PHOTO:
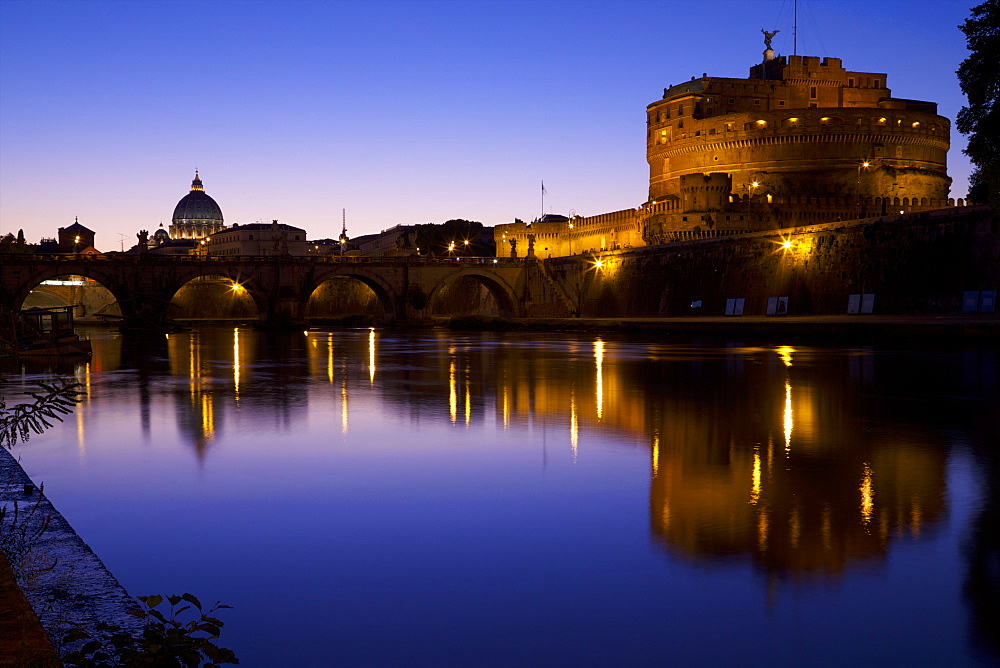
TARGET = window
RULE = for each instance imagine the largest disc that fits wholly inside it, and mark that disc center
(732, 100)
(850, 83)
(756, 103)
(680, 110)
(781, 103)
(876, 83)
(812, 92)
(251, 237)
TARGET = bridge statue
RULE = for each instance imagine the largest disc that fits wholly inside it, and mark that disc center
(513, 247)
(143, 237)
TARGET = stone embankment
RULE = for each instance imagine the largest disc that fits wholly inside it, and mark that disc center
(63, 581)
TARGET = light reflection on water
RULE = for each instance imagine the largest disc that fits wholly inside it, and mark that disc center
(370, 497)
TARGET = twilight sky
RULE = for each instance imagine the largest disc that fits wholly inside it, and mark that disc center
(398, 111)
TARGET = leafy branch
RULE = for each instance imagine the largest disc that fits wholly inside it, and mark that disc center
(166, 640)
(19, 422)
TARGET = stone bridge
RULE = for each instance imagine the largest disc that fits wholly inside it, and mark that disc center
(925, 263)
(281, 286)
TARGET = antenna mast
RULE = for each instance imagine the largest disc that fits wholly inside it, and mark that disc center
(795, 27)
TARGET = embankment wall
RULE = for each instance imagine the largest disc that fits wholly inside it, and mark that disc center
(913, 264)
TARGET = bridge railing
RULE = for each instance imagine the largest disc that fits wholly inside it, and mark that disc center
(409, 260)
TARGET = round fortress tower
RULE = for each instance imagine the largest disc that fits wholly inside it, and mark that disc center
(798, 130)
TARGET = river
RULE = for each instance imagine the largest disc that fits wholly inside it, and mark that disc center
(430, 498)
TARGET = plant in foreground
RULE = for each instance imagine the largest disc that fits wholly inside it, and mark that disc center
(20, 421)
(166, 639)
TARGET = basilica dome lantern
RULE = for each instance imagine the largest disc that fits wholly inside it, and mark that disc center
(197, 215)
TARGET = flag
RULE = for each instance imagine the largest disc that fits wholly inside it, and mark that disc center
(544, 191)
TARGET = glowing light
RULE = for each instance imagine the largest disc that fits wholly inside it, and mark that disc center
(761, 123)
(786, 244)
(755, 488)
(495, 260)
(867, 495)
(656, 455)
(762, 529)
(788, 417)
(329, 357)
(755, 184)
(574, 426)
(452, 394)
(506, 408)
(207, 418)
(371, 354)
(343, 406)
(81, 444)
(785, 353)
(598, 264)
(468, 401)
(599, 363)
(236, 362)
(237, 288)
(866, 164)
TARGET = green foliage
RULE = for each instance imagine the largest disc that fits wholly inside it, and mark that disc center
(22, 420)
(434, 240)
(979, 77)
(167, 639)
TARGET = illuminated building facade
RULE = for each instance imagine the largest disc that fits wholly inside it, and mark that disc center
(197, 215)
(800, 141)
(258, 239)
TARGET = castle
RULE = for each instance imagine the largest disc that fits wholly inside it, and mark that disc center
(800, 141)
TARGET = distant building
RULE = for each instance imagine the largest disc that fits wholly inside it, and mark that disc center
(75, 239)
(256, 239)
(197, 215)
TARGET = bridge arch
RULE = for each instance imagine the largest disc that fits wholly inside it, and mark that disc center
(70, 290)
(503, 295)
(216, 295)
(383, 292)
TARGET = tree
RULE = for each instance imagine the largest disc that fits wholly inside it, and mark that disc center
(979, 77)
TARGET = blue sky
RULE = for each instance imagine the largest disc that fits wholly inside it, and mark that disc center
(397, 111)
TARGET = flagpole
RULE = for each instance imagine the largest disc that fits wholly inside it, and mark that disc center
(543, 198)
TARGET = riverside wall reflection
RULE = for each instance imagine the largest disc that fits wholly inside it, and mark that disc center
(802, 461)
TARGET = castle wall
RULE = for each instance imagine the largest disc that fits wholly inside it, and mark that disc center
(580, 234)
(914, 264)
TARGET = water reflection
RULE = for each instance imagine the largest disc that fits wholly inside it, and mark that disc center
(804, 463)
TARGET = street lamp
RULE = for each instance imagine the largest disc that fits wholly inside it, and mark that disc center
(864, 164)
